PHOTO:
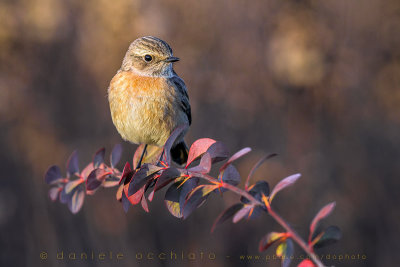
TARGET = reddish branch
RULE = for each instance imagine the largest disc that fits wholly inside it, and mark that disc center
(98, 174)
(292, 233)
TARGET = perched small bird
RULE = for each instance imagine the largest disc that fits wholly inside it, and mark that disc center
(148, 100)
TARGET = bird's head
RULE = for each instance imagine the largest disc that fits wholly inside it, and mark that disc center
(149, 56)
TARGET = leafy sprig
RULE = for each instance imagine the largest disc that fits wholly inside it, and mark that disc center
(188, 188)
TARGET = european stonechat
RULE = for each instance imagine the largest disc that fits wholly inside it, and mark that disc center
(148, 100)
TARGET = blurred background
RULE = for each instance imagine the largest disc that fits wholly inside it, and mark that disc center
(317, 82)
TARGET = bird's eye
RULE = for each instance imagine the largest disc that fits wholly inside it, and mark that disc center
(148, 58)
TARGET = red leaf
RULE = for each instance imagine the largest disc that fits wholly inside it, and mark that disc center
(64, 197)
(230, 175)
(142, 176)
(151, 196)
(98, 158)
(72, 185)
(288, 181)
(257, 190)
(196, 197)
(204, 166)
(325, 211)
(100, 174)
(137, 155)
(126, 174)
(218, 152)
(270, 239)
(96, 178)
(166, 177)
(202, 190)
(255, 167)
(54, 193)
(198, 148)
(53, 175)
(119, 193)
(76, 202)
(285, 250)
(144, 204)
(175, 197)
(306, 263)
(87, 170)
(72, 164)
(186, 186)
(171, 141)
(125, 201)
(135, 198)
(226, 214)
(329, 236)
(115, 156)
(242, 213)
(171, 199)
(110, 181)
(237, 155)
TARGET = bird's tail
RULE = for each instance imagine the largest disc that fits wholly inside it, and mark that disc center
(179, 153)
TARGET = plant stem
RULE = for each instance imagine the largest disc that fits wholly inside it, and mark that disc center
(256, 202)
(232, 188)
(271, 212)
(295, 236)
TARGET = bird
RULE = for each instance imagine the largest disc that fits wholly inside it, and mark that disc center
(147, 98)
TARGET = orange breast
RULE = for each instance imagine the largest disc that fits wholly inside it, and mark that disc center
(143, 109)
(132, 84)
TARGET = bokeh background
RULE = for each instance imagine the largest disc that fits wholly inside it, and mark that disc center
(317, 82)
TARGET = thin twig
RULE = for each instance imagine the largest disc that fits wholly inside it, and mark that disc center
(294, 236)
(271, 212)
(255, 202)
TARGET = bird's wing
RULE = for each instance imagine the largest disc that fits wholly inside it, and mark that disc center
(184, 98)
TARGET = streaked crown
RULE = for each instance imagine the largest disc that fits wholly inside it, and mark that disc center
(149, 56)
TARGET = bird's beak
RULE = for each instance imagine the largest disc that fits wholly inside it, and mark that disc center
(171, 59)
